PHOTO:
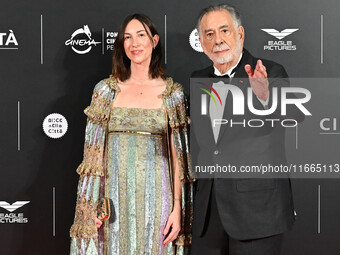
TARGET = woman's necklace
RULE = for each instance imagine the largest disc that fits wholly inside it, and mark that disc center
(140, 87)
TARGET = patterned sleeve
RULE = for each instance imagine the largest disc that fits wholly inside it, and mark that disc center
(179, 121)
(84, 235)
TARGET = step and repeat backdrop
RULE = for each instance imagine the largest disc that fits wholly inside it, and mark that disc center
(52, 53)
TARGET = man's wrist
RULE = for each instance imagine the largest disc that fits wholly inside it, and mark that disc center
(265, 96)
(264, 100)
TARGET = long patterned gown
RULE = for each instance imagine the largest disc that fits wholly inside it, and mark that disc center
(126, 159)
(139, 181)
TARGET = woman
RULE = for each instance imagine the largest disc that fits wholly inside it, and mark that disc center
(136, 154)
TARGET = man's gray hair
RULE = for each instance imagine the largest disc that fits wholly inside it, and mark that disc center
(234, 14)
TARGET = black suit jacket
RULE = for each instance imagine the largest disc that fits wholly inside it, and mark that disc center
(248, 208)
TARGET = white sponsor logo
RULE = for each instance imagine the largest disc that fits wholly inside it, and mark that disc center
(280, 45)
(194, 41)
(8, 40)
(55, 125)
(110, 39)
(280, 35)
(14, 206)
(12, 217)
(84, 45)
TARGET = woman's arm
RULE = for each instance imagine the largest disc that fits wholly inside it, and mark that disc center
(179, 121)
(174, 220)
(84, 229)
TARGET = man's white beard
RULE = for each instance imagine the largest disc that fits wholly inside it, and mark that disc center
(227, 57)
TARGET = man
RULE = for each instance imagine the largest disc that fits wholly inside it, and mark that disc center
(240, 216)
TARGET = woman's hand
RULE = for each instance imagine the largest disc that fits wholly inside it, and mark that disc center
(174, 221)
(98, 223)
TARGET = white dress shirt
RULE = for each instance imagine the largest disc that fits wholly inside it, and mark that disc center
(216, 111)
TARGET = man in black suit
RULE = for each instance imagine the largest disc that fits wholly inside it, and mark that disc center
(232, 215)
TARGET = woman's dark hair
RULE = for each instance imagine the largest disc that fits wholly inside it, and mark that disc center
(121, 63)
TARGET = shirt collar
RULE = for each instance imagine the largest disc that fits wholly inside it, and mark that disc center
(217, 72)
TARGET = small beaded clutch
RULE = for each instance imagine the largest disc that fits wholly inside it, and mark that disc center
(103, 209)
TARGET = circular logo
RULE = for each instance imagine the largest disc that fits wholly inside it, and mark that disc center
(83, 45)
(194, 41)
(55, 125)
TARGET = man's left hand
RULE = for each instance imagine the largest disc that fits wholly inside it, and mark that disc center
(258, 80)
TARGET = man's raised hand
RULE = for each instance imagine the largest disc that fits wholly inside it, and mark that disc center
(258, 80)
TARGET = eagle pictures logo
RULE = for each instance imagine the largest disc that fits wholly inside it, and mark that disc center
(279, 44)
(12, 217)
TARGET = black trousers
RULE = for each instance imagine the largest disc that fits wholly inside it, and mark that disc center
(215, 241)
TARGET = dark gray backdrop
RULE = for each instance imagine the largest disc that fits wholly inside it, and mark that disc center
(53, 78)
